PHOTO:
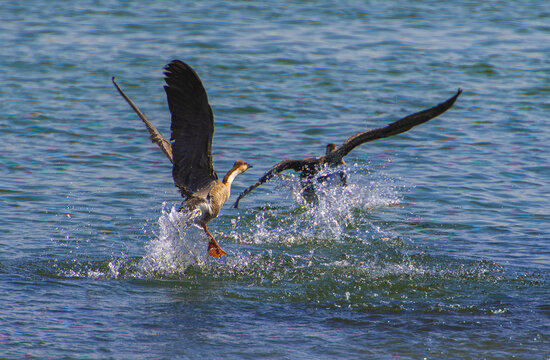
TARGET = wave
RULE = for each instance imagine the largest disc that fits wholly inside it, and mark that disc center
(329, 251)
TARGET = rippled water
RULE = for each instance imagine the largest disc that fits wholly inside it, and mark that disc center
(438, 248)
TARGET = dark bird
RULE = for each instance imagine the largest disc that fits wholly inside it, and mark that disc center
(191, 149)
(334, 156)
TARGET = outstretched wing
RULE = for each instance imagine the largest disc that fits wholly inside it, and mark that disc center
(156, 136)
(192, 128)
(394, 128)
(288, 164)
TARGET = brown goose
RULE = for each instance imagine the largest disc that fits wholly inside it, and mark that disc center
(191, 148)
(334, 156)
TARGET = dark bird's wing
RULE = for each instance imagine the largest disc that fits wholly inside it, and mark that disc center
(156, 136)
(192, 128)
(394, 128)
(288, 164)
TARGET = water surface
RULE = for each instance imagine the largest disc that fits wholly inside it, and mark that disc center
(439, 247)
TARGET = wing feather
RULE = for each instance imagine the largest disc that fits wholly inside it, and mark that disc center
(156, 136)
(192, 128)
(394, 128)
(288, 164)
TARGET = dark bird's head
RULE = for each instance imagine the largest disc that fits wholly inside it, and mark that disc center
(330, 148)
(332, 157)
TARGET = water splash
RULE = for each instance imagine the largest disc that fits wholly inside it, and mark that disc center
(178, 245)
(335, 210)
(304, 227)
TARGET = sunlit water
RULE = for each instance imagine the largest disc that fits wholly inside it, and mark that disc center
(438, 247)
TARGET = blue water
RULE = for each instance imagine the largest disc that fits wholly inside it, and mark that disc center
(439, 247)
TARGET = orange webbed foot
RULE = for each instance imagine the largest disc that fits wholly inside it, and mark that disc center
(215, 250)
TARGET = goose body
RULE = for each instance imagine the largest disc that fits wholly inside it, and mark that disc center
(190, 149)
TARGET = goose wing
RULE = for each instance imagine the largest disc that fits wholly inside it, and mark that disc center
(192, 128)
(288, 164)
(156, 136)
(394, 128)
